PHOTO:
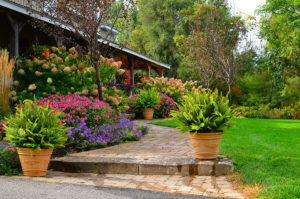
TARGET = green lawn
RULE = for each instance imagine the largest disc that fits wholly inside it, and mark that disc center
(265, 152)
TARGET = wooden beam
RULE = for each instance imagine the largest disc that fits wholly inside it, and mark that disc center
(131, 68)
(148, 71)
(17, 26)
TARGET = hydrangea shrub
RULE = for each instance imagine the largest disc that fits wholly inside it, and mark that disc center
(174, 88)
(51, 70)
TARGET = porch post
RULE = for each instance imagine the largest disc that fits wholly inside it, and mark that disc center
(148, 71)
(161, 72)
(17, 27)
(131, 66)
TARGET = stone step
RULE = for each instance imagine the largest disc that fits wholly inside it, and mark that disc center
(166, 166)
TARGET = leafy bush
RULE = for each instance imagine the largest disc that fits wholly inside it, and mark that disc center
(148, 98)
(46, 71)
(202, 112)
(83, 137)
(174, 88)
(90, 110)
(263, 111)
(35, 127)
(165, 107)
(9, 159)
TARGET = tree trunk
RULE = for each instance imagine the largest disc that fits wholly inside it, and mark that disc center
(100, 93)
(229, 93)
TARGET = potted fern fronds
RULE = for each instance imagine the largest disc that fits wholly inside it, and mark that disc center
(205, 115)
(148, 100)
(35, 131)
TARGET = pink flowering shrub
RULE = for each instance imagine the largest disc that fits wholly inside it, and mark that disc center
(132, 105)
(2, 131)
(164, 108)
(90, 110)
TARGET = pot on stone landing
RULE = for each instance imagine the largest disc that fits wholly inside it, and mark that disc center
(148, 113)
(130, 116)
(206, 145)
(34, 163)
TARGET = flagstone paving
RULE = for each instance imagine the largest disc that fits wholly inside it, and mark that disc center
(187, 185)
(163, 151)
(162, 161)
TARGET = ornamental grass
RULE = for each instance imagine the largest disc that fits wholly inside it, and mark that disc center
(6, 73)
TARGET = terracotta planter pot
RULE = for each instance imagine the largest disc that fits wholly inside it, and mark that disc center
(148, 113)
(206, 145)
(130, 116)
(34, 163)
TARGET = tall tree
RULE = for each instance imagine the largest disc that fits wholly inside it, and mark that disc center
(84, 19)
(280, 26)
(155, 27)
(212, 45)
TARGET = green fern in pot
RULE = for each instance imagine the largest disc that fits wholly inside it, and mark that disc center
(205, 115)
(148, 100)
(35, 131)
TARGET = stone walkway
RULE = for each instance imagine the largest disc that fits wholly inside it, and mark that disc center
(187, 185)
(161, 161)
(163, 151)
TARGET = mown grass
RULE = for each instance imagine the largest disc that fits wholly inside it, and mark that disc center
(264, 152)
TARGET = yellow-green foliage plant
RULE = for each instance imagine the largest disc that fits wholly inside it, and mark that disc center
(6, 72)
(203, 112)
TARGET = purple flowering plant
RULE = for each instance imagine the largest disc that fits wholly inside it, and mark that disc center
(9, 159)
(83, 137)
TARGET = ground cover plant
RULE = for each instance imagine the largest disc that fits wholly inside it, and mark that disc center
(9, 159)
(265, 152)
(83, 137)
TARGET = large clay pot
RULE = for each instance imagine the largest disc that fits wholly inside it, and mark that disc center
(148, 113)
(206, 145)
(34, 163)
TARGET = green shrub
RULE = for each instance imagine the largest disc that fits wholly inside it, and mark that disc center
(35, 127)
(264, 111)
(202, 112)
(148, 98)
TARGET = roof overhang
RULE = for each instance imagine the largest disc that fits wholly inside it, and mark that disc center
(23, 10)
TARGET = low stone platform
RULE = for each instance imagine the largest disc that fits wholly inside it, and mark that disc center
(163, 151)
